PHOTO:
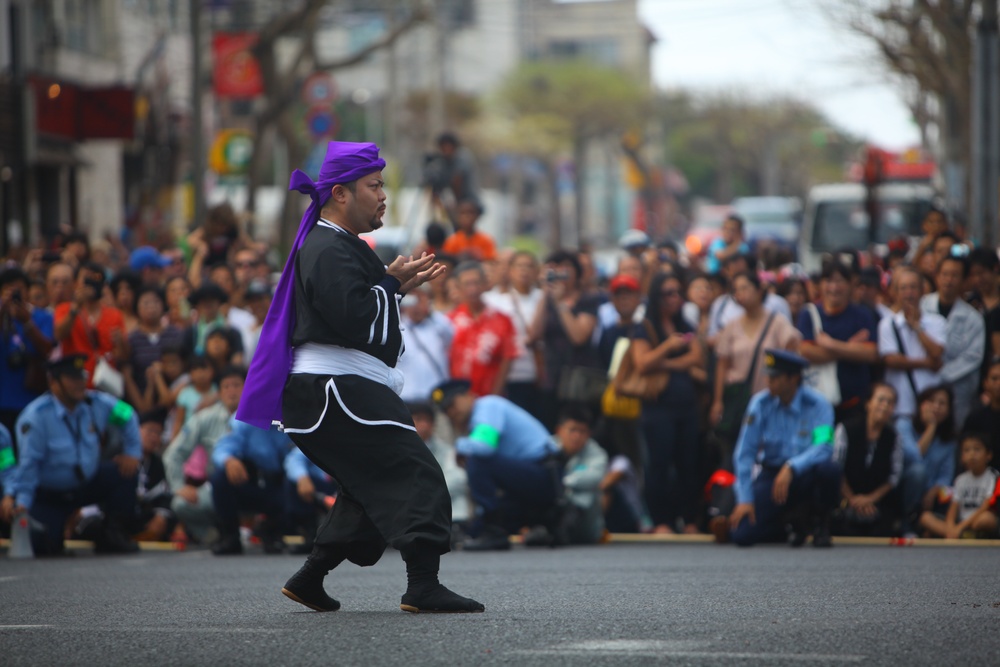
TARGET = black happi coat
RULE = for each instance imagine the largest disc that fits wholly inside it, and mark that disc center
(344, 297)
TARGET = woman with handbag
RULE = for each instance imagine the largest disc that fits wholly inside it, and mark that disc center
(564, 322)
(665, 344)
(739, 351)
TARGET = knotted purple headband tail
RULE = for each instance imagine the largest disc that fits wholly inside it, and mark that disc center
(260, 404)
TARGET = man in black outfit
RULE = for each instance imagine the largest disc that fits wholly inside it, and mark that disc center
(340, 404)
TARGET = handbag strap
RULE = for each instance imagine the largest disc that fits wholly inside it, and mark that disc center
(756, 349)
(654, 340)
(902, 350)
(816, 321)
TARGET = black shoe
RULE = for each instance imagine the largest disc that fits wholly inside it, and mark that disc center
(305, 588)
(306, 585)
(228, 545)
(274, 546)
(113, 540)
(271, 536)
(821, 538)
(300, 549)
(439, 600)
(492, 538)
(539, 536)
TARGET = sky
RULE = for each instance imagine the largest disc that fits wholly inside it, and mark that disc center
(779, 47)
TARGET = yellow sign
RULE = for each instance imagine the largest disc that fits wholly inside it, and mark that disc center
(230, 152)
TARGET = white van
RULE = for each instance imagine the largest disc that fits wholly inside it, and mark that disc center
(835, 218)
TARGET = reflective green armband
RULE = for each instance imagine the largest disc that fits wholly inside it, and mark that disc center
(485, 434)
(121, 413)
(6, 458)
(822, 435)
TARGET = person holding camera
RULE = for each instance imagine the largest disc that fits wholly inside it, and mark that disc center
(450, 174)
(86, 326)
(564, 322)
(25, 342)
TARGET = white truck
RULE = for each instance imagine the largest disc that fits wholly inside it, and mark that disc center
(836, 218)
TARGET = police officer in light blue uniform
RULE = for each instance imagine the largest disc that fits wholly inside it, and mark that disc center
(75, 448)
(249, 476)
(788, 432)
(511, 461)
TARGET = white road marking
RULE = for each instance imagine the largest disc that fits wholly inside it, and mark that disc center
(679, 649)
(3, 579)
(82, 628)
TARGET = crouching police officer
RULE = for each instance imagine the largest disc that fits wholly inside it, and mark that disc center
(249, 476)
(75, 448)
(512, 463)
(788, 430)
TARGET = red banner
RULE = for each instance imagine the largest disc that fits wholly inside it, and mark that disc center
(236, 72)
(71, 111)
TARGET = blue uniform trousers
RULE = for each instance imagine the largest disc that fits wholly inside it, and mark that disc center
(513, 492)
(108, 489)
(261, 493)
(299, 511)
(817, 491)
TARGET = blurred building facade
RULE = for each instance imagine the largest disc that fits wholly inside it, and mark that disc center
(95, 95)
(467, 51)
(92, 91)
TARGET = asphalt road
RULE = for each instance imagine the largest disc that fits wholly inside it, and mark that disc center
(612, 605)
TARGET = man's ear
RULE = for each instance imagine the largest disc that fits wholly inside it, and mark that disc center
(339, 193)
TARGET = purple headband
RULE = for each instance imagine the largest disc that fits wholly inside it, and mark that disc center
(260, 405)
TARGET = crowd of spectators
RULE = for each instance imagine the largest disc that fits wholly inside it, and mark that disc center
(905, 348)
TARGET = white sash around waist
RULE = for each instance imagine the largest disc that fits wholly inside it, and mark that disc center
(320, 359)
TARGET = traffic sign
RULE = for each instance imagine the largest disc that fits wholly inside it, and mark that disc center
(319, 89)
(322, 122)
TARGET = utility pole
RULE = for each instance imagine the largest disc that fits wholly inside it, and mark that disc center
(985, 208)
(13, 179)
(440, 86)
(196, 139)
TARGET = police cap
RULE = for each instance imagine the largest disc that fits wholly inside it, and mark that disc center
(778, 362)
(70, 365)
(446, 392)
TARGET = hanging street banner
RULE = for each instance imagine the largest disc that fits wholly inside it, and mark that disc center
(236, 73)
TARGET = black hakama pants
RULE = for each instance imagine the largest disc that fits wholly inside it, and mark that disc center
(392, 490)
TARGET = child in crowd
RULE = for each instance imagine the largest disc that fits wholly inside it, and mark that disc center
(155, 520)
(219, 351)
(200, 393)
(969, 513)
(170, 377)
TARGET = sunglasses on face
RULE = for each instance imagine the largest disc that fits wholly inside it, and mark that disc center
(669, 292)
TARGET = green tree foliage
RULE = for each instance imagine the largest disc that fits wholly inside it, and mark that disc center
(567, 104)
(730, 145)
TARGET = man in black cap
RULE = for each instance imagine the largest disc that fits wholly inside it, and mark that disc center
(75, 448)
(511, 460)
(788, 429)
